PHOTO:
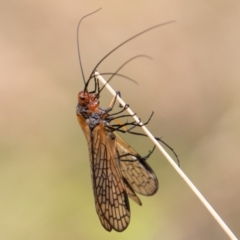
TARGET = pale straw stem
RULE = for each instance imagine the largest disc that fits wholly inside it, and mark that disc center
(172, 162)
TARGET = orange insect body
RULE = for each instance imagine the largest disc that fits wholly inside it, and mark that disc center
(117, 170)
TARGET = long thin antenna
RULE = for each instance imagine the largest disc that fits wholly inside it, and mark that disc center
(116, 73)
(128, 40)
(171, 161)
(119, 75)
(78, 47)
(125, 63)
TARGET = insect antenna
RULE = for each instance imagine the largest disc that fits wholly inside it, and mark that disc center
(86, 83)
(128, 40)
(119, 75)
(114, 74)
(125, 63)
(78, 46)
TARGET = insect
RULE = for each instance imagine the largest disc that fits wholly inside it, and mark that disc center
(118, 172)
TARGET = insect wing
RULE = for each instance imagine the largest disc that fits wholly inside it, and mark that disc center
(135, 169)
(111, 197)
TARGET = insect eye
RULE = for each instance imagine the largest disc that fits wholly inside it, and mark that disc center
(82, 97)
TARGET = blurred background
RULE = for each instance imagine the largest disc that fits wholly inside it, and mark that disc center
(192, 84)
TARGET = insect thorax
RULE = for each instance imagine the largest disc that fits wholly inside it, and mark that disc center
(93, 119)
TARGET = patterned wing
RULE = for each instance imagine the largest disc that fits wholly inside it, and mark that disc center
(111, 198)
(135, 170)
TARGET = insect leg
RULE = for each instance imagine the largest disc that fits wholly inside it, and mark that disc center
(120, 105)
(96, 85)
(117, 127)
(112, 103)
(137, 156)
(158, 139)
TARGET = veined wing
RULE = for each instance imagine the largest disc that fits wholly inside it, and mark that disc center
(135, 169)
(110, 192)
